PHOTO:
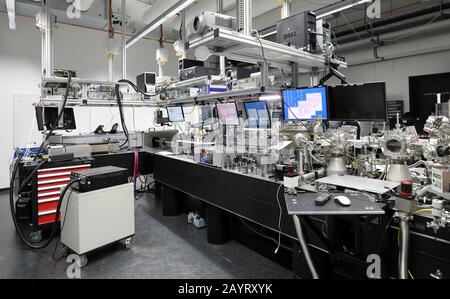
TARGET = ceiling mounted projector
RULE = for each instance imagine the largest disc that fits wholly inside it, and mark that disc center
(208, 21)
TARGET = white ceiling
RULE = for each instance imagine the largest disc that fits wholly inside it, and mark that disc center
(142, 12)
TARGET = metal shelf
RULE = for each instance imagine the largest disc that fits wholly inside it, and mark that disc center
(97, 103)
(195, 82)
(57, 80)
(234, 45)
(84, 99)
(224, 96)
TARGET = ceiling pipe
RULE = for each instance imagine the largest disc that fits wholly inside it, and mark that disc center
(387, 57)
(367, 43)
(394, 19)
(376, 34)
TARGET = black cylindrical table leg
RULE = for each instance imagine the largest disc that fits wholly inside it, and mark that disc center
(219, 225)
(172, 205)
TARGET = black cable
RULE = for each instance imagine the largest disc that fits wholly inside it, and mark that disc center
(181, 30)
(122, 117)
(138, 90)
(263, 235)
(62, 226)
(381, 241)
(388, 225)
(54, 251)
(262, 48)
(13, 214)
(30, 176)
(67, 208)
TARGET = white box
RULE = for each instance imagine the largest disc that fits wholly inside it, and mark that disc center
(291, 182)
(98, 218)
(440, 180)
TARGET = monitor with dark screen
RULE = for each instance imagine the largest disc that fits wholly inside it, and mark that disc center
(363, 102)
(48, 116)
(206, 114)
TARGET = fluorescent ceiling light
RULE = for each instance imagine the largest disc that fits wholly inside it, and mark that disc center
(342, 8)
(268, 98)
(269, 34)
(11, 7)
(171, 12)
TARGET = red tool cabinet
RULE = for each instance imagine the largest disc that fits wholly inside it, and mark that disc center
(45, 188)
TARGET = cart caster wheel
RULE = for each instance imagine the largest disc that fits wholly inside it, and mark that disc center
(83, 261)
(128, 243)
(36, 237)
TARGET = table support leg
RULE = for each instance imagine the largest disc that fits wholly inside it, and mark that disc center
(301, 238)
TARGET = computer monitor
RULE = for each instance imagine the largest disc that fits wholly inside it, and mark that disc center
(176, 114)
(47, 117)
(228, 114)
(258, 115)
(206, 114)
(305, 103)
(363, 102)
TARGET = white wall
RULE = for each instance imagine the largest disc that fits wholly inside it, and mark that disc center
(75, 48)
(426, 52)
(396, 72)
(422, 55)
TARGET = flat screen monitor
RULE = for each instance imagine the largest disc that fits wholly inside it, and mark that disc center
(305, 103)
(176, 114)
(228, 114)
(257, 114)
(47, 117)
(206, 114)
(363, 102)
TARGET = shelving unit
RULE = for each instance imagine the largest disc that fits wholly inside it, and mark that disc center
(236, 95)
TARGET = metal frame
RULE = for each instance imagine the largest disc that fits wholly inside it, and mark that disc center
(213, 98)
(245, 16)
(59, 80)
(195, 82)
(130, 99)
(124, 41)
(97, 103)
(11, 10)
(46, 26)
(233, 44)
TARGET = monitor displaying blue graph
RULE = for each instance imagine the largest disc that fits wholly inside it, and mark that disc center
(257, 114)
(305, 103)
